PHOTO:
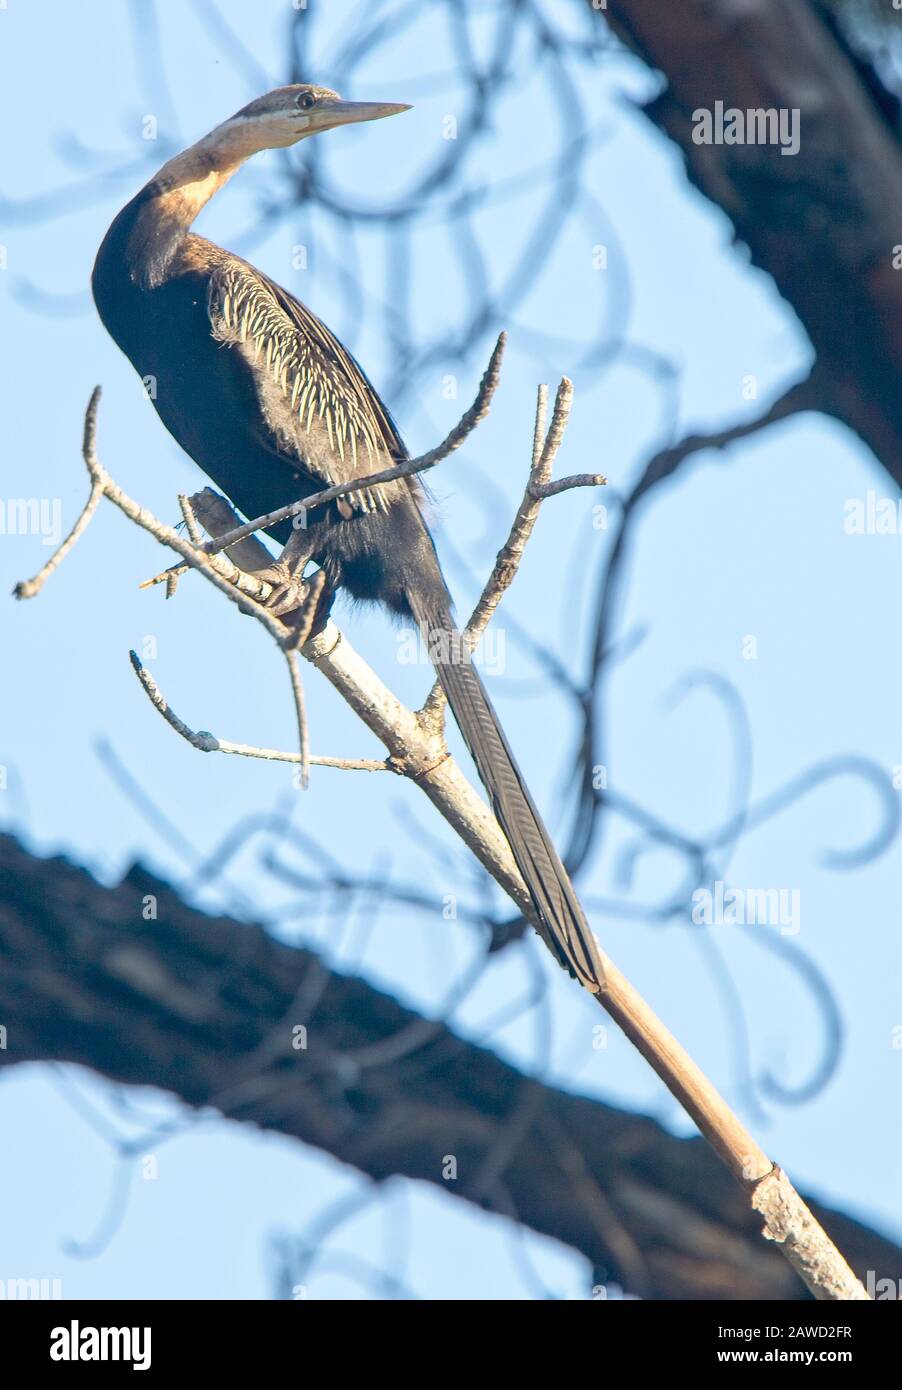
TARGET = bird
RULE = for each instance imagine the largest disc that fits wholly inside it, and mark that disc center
(264, 398)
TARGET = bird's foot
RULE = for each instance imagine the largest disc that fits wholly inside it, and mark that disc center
(313, 614)
(288, 588)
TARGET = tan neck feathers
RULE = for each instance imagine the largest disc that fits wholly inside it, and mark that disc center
(189, 180)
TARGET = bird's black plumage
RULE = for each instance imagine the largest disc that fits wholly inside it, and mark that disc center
(273, 408)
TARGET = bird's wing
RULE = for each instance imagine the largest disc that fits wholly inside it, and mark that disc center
(316, 403)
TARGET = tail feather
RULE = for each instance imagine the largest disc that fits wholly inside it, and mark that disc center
(562, 921)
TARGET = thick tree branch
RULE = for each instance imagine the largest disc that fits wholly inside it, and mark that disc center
(823, 222)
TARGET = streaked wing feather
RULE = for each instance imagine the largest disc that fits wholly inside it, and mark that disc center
(339, 429)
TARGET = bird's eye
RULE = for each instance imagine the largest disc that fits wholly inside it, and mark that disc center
(306, 100)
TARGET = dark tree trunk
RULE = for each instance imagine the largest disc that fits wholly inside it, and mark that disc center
(823, 222)
(207, 1009)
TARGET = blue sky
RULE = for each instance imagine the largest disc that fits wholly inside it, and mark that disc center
(747, 543)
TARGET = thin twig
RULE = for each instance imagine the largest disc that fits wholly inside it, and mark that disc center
(191, 525)
(306, 615)
(239, 591)
(509, 556)
(300, 710)
(540, 491)
(241, 588)
(208, 743)
(544, 450)
(540, 425)
(27, 588)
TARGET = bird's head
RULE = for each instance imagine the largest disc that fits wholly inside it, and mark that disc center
(288, 114)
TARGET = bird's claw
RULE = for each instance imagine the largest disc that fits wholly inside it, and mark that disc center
(287, 592)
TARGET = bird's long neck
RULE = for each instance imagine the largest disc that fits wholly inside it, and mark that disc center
(149, 230)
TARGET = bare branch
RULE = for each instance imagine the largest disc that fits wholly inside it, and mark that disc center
(27, 588)
(542, 490)
(191, 524)
(544, 450)
(208, 743)
(300, 710)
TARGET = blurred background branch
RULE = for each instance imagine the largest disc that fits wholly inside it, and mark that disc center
(210, 1009)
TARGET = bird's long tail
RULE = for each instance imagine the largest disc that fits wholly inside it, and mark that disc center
(563, 923)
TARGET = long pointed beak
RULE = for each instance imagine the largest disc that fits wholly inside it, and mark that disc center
(333, 113)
